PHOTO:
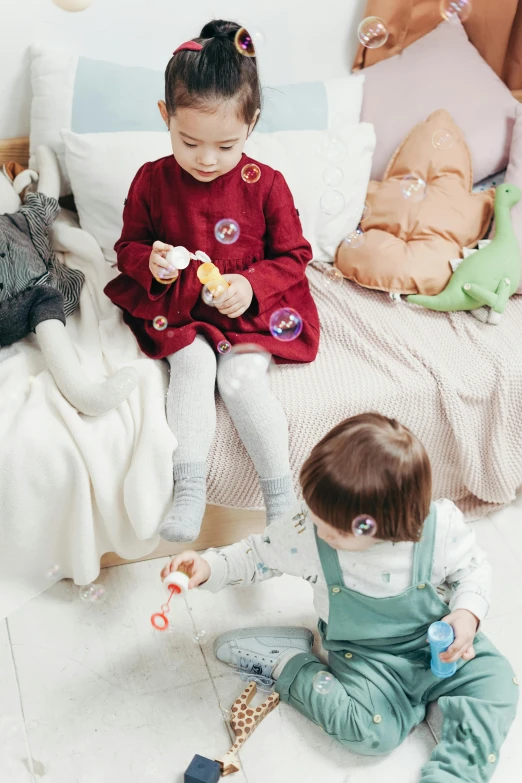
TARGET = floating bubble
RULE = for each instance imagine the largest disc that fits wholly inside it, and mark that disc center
(364, 525)
(372, 32)
(224, 706)
(200, 637)
(247, 44)
(413, 188)
(160, 323)
(92, 593)
(332, 275)
(251, 173)
(53, 572)
(442, 139)
(215, 297)
(227, 231)
(355, 238)
(366, 212)
(323, 683)
(333, 150)
(333, 176)
(332, 202)
(286, 324)
(455, 9)
(243, 366)
(224, 346)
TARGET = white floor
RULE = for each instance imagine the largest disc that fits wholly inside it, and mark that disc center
(92, 694)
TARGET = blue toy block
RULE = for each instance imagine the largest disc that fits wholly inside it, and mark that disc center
(202, 770)
(440, 637)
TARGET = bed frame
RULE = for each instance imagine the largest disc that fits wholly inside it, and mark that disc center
(220, 525)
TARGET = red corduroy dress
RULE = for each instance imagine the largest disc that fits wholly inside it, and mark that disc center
(167, 203)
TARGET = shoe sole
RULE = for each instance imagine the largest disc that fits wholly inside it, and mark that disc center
(278, 633)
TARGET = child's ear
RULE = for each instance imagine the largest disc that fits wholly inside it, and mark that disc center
(162, 106)
(254, 122)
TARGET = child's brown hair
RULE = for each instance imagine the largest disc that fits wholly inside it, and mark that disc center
(373, 465)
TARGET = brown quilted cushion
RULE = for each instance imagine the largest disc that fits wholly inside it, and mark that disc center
(408, 243)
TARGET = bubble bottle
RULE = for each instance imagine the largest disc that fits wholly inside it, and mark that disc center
(440, 637)
(177, 584)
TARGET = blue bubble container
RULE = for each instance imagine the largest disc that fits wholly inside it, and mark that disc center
(440, 637)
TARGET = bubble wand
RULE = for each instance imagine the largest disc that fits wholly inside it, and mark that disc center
(177, 584)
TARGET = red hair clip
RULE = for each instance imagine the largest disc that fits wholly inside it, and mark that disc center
(192, 46)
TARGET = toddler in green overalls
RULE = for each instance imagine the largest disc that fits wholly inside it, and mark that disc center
(384, 563)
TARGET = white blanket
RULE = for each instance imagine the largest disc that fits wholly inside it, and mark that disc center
(74, 487)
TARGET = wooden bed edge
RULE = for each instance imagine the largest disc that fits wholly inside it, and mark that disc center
(220, 526)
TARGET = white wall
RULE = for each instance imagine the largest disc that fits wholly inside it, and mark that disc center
(305, 39)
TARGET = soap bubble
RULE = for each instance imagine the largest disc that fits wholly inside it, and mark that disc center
(226, 231)
(200, 637)
(242, 367)
(248, 45)
(413, 187)
(224, 706)
(286, 324)
(323, 682)
(364, 525)
(332, 202)
(224, 346)
(251, 173)
(442, 139)
(355, 238)
(372, 32)
(366, 212)
(332, 275)
(333, 176)
(53, 572)
(455, 9)
(92, 593)
(333, 150)
(160, 323)
(214, 297)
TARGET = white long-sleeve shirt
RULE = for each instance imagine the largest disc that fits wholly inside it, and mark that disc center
(460, 573)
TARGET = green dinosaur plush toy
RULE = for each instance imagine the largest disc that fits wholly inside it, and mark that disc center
(489, 276)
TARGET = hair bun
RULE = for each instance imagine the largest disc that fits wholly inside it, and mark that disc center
(220, 28)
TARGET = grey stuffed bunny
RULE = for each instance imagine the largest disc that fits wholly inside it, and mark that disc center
(37, 292)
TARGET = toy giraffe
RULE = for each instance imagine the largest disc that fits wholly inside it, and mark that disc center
(243, 721)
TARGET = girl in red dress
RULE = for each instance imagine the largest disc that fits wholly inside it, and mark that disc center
(212, 102)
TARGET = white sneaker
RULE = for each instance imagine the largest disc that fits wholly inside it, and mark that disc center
(257, 651)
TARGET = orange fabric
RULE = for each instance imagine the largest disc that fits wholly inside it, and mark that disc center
(494, 28)
(408, 245)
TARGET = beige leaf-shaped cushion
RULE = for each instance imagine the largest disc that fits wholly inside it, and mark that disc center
(409, 243)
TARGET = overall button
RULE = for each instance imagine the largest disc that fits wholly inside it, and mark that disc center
(492, 758)
(336, 589)
(421, 586)
(348, 655)
(377, 718)
(515, 680)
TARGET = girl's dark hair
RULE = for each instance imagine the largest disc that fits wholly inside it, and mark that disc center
(218, 72)
(373, 465)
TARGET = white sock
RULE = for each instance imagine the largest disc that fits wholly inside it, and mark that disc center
(280, 665)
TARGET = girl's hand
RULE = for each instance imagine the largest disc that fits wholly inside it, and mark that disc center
(238, 298)
(195, 566)
(464, 624)
(158, 265)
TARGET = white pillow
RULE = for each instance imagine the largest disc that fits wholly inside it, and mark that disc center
(93, 96)
(101, 167)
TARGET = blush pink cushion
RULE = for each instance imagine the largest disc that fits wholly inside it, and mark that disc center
(442, 70)
(514, 177)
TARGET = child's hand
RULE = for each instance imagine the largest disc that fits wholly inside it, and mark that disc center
(195, 566)
(464, 624)
(238, 298)
(158, 265)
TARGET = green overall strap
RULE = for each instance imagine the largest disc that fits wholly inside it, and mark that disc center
(423, 550)
(330, 562)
